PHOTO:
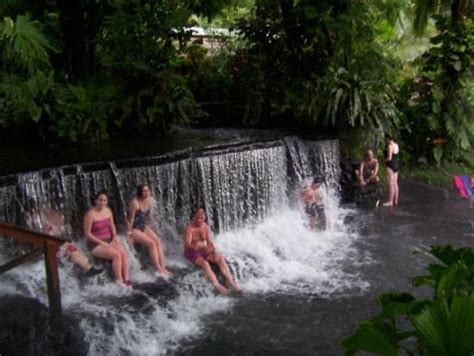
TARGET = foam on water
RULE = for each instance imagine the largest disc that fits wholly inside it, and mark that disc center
(278, 255)
(282, 255)
(251, 196)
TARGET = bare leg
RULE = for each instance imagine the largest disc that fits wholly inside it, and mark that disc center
(211, 275)
(159, 248)
(143, 239)
(220, 261)
(395, 189)
(109, 253)
(390, 176)
(79, 259)
(124, 258)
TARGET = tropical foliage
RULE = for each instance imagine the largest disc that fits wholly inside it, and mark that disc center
(440, 105)
(317, 63)
(441, 325)
(82, 69)
(103, 66)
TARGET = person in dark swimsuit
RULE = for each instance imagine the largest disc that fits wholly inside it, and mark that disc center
(139, 231)
(141, 219)
(393, 167)
(394, 163)
(102, 241)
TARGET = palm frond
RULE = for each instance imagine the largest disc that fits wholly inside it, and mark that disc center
(446, 328)
(24, 42)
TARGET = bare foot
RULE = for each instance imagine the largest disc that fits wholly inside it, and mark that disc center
(222, 290)
(236, 289)
(387, 204)
(165, 274)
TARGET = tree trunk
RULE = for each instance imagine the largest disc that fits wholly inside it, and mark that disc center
(72, 23)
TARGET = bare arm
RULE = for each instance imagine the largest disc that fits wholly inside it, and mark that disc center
(132, 209)
(188, 239)
(210, 244)
(112, 226)
(302, 194)
(376, 169)
(88, 227)
(389, 153)
(361, 171)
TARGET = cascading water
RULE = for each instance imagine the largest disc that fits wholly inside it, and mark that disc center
(249, 193)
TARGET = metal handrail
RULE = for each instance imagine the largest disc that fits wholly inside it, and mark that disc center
(47, 244)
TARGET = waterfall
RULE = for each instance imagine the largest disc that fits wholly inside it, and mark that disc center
(324, 160)
(249, 191)
(237, 185)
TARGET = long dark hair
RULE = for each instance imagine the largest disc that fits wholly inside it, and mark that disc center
(140, 189)
(96, 195)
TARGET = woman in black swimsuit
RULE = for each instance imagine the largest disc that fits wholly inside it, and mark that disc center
(393, 166)
(139, 216)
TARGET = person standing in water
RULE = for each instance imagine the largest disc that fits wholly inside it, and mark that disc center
(199, 249)
(393, 166)
(313, 199)
(101, 234)
(139, 231)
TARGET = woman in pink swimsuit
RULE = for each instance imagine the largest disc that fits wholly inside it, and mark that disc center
(102, 241)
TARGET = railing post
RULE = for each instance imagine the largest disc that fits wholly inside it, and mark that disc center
(50, 246)
(52, 278)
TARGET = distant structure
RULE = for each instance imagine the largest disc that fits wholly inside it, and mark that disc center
(211, 38)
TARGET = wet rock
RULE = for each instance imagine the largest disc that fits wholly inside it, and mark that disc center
(25, 329)
(363, 197)
(367, 196)
(163, 290)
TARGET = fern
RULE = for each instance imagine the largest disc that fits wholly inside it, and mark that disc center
(24, 43)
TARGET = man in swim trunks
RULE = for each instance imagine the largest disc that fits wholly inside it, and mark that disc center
(199, 249)
(367, 172)
(312, 197)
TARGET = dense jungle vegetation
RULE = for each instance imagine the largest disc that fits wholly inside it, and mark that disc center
(82, 70)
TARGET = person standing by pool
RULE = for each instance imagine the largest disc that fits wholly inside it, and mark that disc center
(200, 250)
(313, 199)
(102, 241)
(139, 231)
(393, 166)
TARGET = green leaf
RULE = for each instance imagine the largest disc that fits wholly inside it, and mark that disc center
(457, 65)
(376, 337)
(446, 329)
(395, 304)
(25, 43)
(452, 278)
